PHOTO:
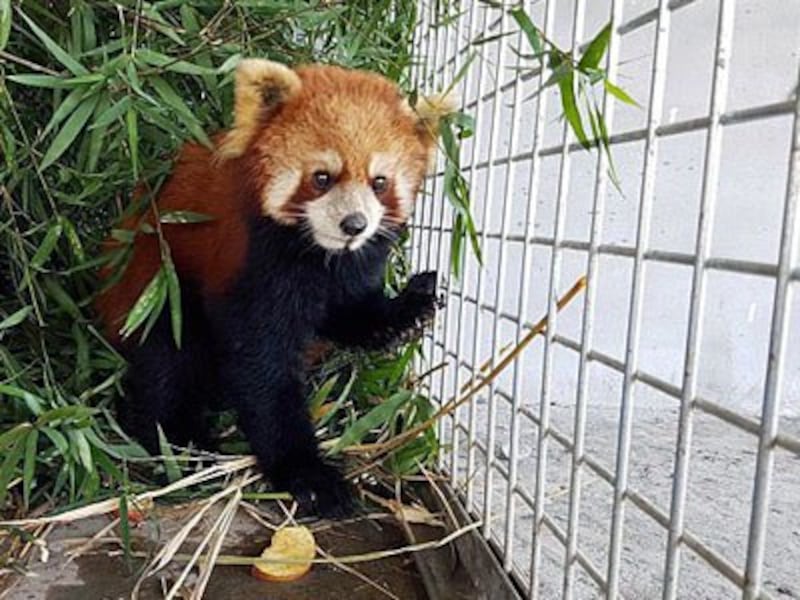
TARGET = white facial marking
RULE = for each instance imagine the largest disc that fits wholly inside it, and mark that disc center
(326, 160)
(404, 190)
(391, 165)
(277, 193)
(326, 213)
(383, 163)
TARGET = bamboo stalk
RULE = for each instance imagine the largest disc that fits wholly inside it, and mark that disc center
(244, 561)
(473, 386)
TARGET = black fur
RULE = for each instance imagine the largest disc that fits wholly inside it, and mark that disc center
(247, 348)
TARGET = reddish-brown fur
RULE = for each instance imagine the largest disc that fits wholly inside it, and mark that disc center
(210, 252)
(334, 109)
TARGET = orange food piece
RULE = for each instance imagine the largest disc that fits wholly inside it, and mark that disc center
(293, 544)
(137, 512)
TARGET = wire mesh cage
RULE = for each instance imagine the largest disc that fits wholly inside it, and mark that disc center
(647, 444)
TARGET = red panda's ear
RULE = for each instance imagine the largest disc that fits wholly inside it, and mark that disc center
(430, 110)
(261, 87)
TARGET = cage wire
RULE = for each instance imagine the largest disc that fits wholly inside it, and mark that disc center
(648, 444)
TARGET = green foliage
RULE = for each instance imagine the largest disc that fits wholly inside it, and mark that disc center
(454, 128)
(377, 401)
(95, 97)
(576, 78)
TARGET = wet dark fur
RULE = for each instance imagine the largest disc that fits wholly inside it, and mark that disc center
(247, 347)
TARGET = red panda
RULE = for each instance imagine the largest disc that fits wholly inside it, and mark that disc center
(304, 194)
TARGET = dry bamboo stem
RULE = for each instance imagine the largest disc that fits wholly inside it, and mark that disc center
(473, 386)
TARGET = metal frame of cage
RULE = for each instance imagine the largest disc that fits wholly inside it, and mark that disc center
(441, 53)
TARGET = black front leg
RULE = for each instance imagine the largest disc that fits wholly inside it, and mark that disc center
(377, 322)
(264, 381)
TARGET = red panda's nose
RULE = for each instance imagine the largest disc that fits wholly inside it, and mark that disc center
(354, 223)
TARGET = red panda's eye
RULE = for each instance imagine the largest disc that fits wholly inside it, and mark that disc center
(379, 184)
(322, 180)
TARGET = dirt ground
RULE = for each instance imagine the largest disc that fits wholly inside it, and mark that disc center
(722, 467)
(103, 574)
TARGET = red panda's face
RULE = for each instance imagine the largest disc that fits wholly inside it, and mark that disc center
(337, 151)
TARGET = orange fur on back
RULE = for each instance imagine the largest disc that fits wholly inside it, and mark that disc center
(210, 252)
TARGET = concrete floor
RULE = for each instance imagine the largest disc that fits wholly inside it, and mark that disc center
(722, 466)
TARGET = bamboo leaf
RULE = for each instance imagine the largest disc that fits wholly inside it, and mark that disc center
(97, 136)
(561, 71)
(376, 417)
(58, 439)
(168, 457)
(50, 81)
(184, 216)
(461, 73)
(9, 467)
(596, 50)
(57, 292)
(488, 39)
(132, 78)
(64, 109)
(457, 246)
(70, 130)
(596, 134)
(528, 28)
(345, 393)
(72, 413)
(89, 30)
(29, 465)
(321, 394)
(229, 64)
(5, 22)
(162, 26)
(47, 246)
(132, 125)
(605, 140)
(155, 314)
(15, 318)
(570, 107)
(125, 527)
(112, 114)
(84, 450)
(11, 436)
(57, 51)
(173, 100)
(152, 295)
(175, 309)
(619, 93)
(163, 61)
(465, 124)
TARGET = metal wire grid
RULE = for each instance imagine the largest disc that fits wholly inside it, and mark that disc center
(442, 52)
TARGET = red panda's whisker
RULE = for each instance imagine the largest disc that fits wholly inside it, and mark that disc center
(392, 222)
(387, 234)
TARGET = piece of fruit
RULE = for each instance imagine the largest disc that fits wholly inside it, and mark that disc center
(294, 544)
(137, 511)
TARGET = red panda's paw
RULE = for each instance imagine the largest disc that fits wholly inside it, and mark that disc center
(423, 284)
(411, 312)
(419, 302)
(318, 488)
